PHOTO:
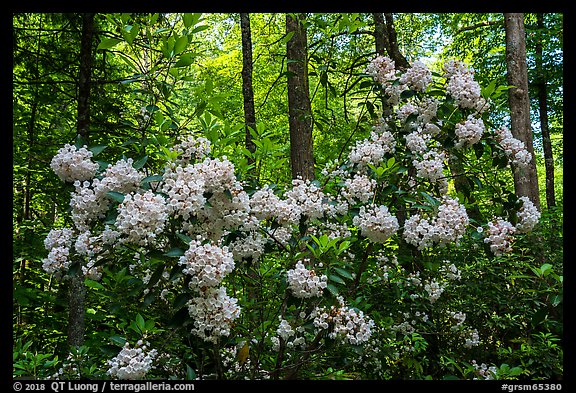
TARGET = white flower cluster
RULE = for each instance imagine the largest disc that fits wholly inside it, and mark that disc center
(431, 166)
(284, 330)
(451, 272)
(184, 188)
(381, 69)
(404, 111)
(376, 223)
(447, 226)
(305, 283)
(266, 205)
(71, 164)
(500, 235)
(471, 338)
(427, 110)
(192, 148)
(434, 290)
(528, 216)
(487, 373)
(213, 313)
(132, 363)
(121, 177)
(289, 335)
(218, 174)
(418, 77)
(89, 246)
(250, 246)
(372, 151)
(58, 243)
(359, 188)
(459, 317)
(141, 217)
(207, 264)
(469, 132)
(462, 87)
(514, 148)
(344, 323)
(307, 197)
(87, 205)
(417, 142)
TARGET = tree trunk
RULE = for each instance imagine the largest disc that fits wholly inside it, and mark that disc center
(380, 34)
(543, 109)
(299, 108)
(525, 180)
(77, 290)
(393, 50)
(83, 122)
(247, 91)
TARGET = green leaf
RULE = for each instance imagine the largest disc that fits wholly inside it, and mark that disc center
(97, 149)
(175, 252)
(152, 178)
(336, 278)
(185, 238)
(181, 44)
(332, 289)
(118, 340)
(140, 323)
(93, 284)
(190, 374)
(139, 164)
(117, 196)
(343, 273)
(185, 60)
(108, 43)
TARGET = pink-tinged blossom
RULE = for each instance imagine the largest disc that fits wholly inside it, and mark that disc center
(528, 216)
(131, 363)
(213, 313)
(514, 148)
(469, 132)
(206, 264)
(376, 223)
(305, 283)
(141, 218)
(71, 164)
(499, 236)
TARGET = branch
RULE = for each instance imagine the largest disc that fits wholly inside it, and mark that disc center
(478, 25)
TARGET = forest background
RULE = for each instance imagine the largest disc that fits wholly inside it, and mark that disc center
(132, 85)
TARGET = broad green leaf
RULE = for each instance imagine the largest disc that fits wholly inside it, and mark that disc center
(93, 284)
(117, 196)
(139, 164)
(108, 43)
(185, 60)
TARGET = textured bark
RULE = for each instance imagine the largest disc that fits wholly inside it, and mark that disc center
(543, 109)
(525, 180)
(84, 76)
(247, 90)
(380, 34)
(394, 51)
(299, 108)
(77, 290)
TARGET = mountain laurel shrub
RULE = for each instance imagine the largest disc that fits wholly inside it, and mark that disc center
(385, 267)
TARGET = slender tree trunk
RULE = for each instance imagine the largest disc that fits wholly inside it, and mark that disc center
(299, 107)
(525, 181)
(393, 50)
(77, 289)
(543, 109)
(247, 90)
(380, 34)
